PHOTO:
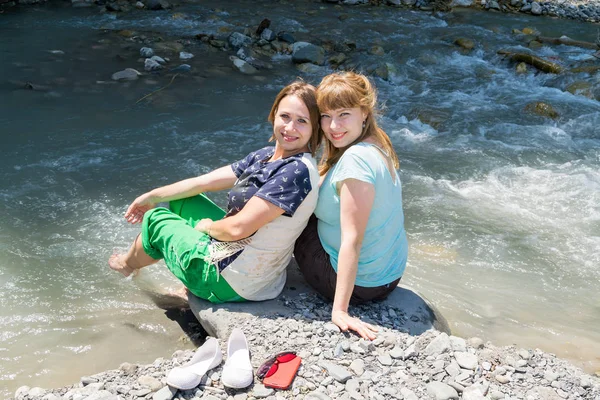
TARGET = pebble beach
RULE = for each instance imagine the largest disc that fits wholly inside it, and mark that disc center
(336, 365)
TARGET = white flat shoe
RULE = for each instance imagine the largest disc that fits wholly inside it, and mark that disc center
(237, 372)
(189, 375)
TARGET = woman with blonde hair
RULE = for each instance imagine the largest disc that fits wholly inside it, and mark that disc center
(354, 249)
(242, 253)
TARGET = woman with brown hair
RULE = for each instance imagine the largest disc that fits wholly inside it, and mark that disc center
(355, 249)
(240, 254)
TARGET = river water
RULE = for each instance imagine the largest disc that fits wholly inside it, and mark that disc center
(502, 206)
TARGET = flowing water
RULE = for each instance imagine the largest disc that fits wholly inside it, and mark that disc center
(502, 206)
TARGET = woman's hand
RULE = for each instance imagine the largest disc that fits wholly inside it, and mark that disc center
(136, 210)
(204, 225)
(345, 322)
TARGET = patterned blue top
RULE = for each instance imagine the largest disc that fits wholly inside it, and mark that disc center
(284, 182)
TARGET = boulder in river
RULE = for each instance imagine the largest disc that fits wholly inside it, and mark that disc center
(581, 88)
(465, 43)
(237, 40)
(146, 52)
(542, 109)
(303, 52)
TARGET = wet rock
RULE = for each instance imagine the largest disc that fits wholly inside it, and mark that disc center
(308, 68)
(158, 59)
(581, 88)
(286, 37)
(268, 35)
(303, 52)
(394, 2)
(465, 43)
(542, 109)
(182, 68)
(243, 66)
(376, 50)
(151, 65)
(146, 52)
(139, 5)
(237, 40)
(536, 8)
(158, 4)
(128, 74)
(185, 55)
(534, 44)
(337, 59)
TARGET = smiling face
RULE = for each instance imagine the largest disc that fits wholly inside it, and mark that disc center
(292, 127)
(343, 126)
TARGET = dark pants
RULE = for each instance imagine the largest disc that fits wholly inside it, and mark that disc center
(317, 270)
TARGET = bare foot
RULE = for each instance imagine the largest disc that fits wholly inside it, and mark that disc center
(117, 263)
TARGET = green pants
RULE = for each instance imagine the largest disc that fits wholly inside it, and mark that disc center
(170, 235)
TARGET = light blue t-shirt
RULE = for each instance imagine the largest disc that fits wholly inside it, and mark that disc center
(385, 248)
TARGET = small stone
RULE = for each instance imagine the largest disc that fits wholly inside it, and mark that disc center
(439, 345)
(338, 351)
(146, 52)
(185, 55)
(441, 391)
(502, 379)
(150, 382)
(127, 368)
(466, 360)
(259, 391)
(151, 65)
(397, 353)
(458, 343)
(339, 373)
(524, 354)
(385, 359)
(128, 74)
(486, 365)
(331, 327)
(166, 393)
(356, 348)
(358, 367)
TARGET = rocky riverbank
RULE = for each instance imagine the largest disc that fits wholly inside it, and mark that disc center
(582, 10)
(397, 365)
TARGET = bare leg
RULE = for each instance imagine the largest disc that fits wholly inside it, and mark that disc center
(135, 259)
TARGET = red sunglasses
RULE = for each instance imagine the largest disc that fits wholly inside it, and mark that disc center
(270, 366)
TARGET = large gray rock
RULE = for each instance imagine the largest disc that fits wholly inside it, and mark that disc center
(237, 40)
(219, 319)
(536, 8)
(304, 52)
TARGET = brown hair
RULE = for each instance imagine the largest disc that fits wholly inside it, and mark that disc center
(349, 90)
(306, 93)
